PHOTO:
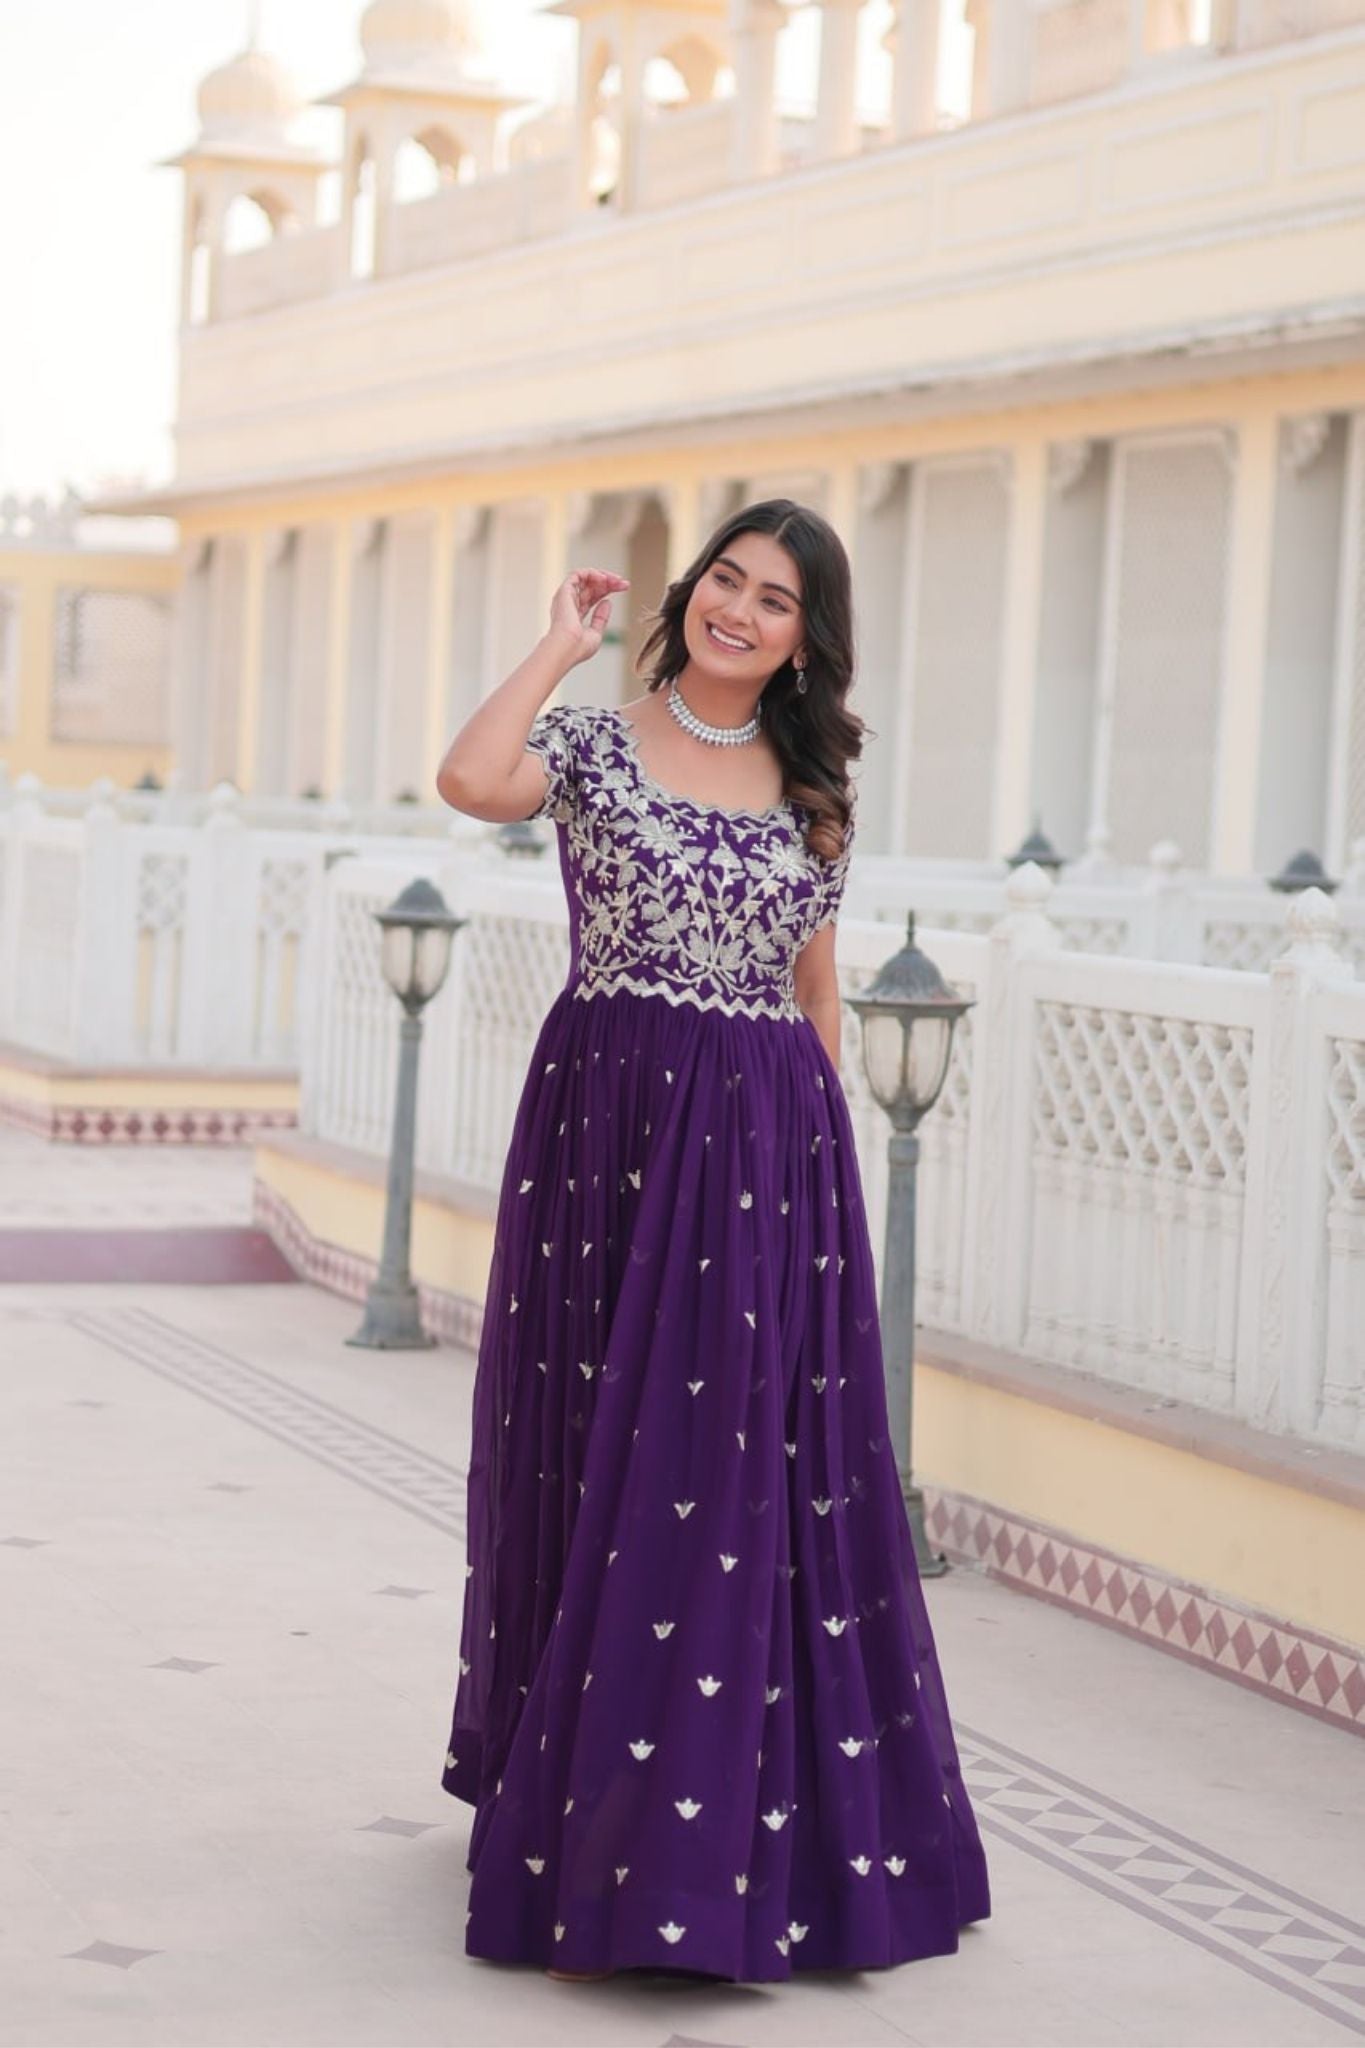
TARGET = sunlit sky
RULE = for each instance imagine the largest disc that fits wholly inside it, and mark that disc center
(92, 94)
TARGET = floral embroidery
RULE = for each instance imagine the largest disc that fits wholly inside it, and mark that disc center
(673, 897)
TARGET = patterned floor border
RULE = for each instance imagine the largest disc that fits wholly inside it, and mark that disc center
(111, 1124)
(398, 1472)
(1269, 1656)
(1305, 1950)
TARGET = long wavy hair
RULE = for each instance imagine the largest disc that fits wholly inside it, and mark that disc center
(816, 735)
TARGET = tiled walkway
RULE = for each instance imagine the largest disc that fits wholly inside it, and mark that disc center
(230, 1580)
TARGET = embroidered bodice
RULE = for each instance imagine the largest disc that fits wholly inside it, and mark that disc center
(670, 896)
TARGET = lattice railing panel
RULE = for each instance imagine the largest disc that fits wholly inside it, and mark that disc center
(1249, 946)
(1342, 1406)
(513, 968)
(282, 912)
(1123, 1089)
(1346, 1112)
(360, 1025)
(160, 915)
(111, 675)
(1140, 1127)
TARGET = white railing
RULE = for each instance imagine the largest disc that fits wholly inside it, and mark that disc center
(293, 267)
(1151, 1172)
(158, 945)
(153, 928)
(522, 204)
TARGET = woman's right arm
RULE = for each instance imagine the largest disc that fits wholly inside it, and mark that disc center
(487, 771)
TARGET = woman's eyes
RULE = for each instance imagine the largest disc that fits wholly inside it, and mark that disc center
(729, 584)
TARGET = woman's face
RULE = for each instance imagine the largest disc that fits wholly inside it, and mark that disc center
(745, 616)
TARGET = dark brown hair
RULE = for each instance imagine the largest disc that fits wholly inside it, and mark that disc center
(816, 735)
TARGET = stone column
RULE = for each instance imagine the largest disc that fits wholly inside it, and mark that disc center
(338, 661)
(754, 29)
(249, 695)
(1232, 848)
(1019, 646)
(682, 507)
(450, 525)
(634, 57)
(836, 120)
(1011, 36)
(913, 41)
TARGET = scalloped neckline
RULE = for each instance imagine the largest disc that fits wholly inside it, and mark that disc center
(691, 803)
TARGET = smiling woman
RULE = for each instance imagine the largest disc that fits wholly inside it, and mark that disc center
(699, 1713)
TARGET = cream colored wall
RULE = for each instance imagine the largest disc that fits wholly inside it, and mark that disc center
(1281, 1549)
(1248, 408)
(1214, 195)
(37, 574)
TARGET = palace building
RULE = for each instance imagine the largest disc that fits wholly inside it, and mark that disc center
(1075, 367)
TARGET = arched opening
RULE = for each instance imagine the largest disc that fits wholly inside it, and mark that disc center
(253, 219)
(445, 150)
(423, 164)
(687, 72)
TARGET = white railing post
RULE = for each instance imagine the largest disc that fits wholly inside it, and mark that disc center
(106, 939)
(913, 40)
(999, 1164)
(1167, 924)
(836, 118)
(221, 928)
(11, 855)
(1280, 1318)
(754, 27)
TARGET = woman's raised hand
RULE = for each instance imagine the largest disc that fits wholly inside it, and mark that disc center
(580, 610)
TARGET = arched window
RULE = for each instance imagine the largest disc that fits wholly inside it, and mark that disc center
(687, 71)
(252, 220)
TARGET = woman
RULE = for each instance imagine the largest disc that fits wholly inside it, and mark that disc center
(699, 1713)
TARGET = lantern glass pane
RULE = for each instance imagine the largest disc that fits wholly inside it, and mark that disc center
(433, 960)
(396, 957)
(884, 1056)
(931, 1040)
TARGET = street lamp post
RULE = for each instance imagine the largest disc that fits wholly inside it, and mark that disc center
(418, 932)
(908, 1014)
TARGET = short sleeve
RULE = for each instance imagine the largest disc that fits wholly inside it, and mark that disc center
(554, 740)
(834, 875)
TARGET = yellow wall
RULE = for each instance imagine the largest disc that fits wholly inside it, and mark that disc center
(40, 1085)
(37, 574)
(451, 1250)
(1283, 1549)
(1234, 402)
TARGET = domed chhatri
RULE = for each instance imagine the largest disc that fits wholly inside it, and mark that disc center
(408, 32)
(250, 95)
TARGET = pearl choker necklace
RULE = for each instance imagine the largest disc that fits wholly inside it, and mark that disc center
(714, 735)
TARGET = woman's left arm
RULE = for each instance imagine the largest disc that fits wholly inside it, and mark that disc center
(817, 988)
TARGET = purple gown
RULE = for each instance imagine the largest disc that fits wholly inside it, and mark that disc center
(699, 1712)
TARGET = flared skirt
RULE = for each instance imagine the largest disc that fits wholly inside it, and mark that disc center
(699, 1711)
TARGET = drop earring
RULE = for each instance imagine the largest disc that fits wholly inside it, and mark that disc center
(800, 668)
